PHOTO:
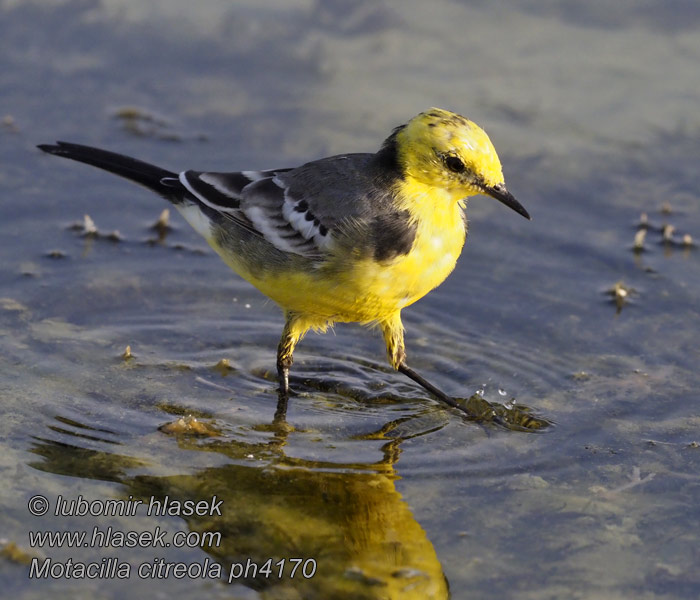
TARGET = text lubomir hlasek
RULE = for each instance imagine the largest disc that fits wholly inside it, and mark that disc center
(80, 507)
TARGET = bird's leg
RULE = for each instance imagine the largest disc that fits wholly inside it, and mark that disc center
(439, 394)
(291, 335)
(392, 329)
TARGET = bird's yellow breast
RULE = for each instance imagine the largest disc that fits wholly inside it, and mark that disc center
(440, 235)
(351, 288)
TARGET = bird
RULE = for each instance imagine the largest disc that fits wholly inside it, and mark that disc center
(348, 238)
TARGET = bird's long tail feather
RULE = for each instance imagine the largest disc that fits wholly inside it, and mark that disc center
(155, 178)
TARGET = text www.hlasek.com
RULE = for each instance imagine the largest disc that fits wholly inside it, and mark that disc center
(110, 538)
(158, 568)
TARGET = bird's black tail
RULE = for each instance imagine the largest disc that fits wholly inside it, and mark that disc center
(159, 180)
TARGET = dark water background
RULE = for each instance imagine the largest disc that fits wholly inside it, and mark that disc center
(594, 112)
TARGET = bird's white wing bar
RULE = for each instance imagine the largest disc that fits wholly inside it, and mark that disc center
(220, 191)
(299, 216)
(262, 201)
(284, 221)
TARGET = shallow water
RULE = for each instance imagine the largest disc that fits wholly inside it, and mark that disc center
(594, 113)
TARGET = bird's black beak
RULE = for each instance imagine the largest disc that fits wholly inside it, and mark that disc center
(500, 193)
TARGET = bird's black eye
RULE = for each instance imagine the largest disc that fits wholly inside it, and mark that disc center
(454, 164)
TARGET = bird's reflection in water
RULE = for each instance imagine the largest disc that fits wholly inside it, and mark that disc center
(349, 518)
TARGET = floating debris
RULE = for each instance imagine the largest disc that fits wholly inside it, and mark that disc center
(620, 294)
(190, 425)
(223, 367)
(163, 220)
(134, 113)
(143, 123)
(639, 240)
(28, 268)
(668, 232)
(89, 227)
(127, 353)
(162, 225)
(9, 123)
(56, 254)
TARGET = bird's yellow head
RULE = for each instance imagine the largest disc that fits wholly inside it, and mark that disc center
(445, 150)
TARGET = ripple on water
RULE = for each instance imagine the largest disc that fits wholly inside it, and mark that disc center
(496, 366)
(348, 411)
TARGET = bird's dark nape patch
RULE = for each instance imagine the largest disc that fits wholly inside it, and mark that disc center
(386, 161)
(393, 234)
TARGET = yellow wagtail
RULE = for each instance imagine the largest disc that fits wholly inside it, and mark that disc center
(349, 238)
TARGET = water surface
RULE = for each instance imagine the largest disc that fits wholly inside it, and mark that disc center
(594, 114)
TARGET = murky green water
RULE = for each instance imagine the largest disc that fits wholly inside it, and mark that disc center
(593, 110)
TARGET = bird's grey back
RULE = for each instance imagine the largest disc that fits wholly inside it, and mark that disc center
(337, 188)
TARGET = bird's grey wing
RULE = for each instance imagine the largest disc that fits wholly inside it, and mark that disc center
(252, 200)
(338, 188)
(353, 196)
(306, 210)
